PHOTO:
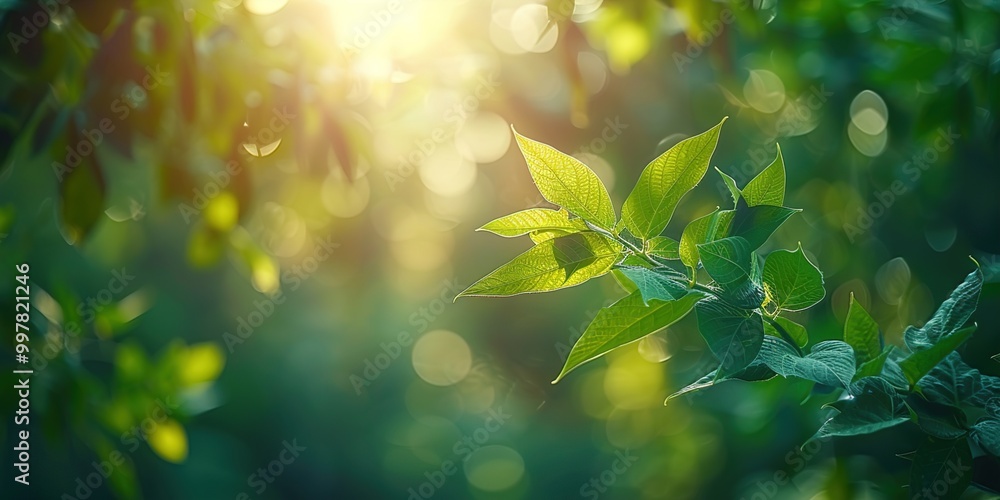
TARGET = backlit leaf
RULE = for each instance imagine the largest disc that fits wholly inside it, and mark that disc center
(768, 187)
(532, 220)
(791, 282)
(656, 283)
(626, 321)
(664, 248)
(756, 224)
(567, 182)
(665, 180)
(702, 230)
(861, 332)
(550, 265)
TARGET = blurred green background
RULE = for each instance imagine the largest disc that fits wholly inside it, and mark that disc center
(246, 223)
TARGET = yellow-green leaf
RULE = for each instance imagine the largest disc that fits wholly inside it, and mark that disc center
(664, 248)
(861, 332)
(534, 220)
(550, 265)
(626, 321)
(768, 188)
(702, 230)
(567, 182)
(665, 180)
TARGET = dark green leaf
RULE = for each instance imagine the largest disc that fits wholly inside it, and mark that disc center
(82, 192)
(730, 183)
(755, 372)
(875, 406)
(656, 283)
(951, 381)
(756, 224)
(830, 363)
(942, 469)
(702, 230)
(728, 261)
(987, 434)
(873, 366)
(920, 363)
(938, 420)
(734, 335)
(951, 316)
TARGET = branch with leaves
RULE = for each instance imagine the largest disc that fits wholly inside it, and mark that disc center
(740, 300)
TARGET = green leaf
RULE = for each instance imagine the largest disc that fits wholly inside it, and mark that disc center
(623, 281)
(82, 192)
(768, 188)
(875, 406)
(756, 224)
(795, 330)
(567, 182)
(942, 468)
(728, 261)
(734, 335)
(938, 420)
(730, 183)
(664, 248)
(658, 283)
(624, 322)
(861, 332)
(551, 265)
(663, 183)
(951, 381)
(873, 366)
(920, 363)
(755, 372)
(830, 363)
(791, 282)
(534, 220)
(987, 434)
(702, 230)
(546, 235)
(952, 314)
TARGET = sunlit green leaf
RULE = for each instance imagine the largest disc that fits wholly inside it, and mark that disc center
(728, 261)
(532, 220)
(730, 183)
(921, 362)
(664, 248)
(941, 467)
(794, 330)
(875, 406)
(550, 265)
(567, 182)
(950, 316)
(663, 183)
(626, 321)
(768, 187)
(734, 335)
(830, 363)
(791, 282)
(861, 332)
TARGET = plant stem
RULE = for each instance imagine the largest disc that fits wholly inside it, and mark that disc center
(635, 250)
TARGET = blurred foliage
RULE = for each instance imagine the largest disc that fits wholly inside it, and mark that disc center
(305, 175)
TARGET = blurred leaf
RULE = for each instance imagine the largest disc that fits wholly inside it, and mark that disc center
(551, 265)
(950, 316)
(624, 322)
(795, 330)
(830, 363)
(734, 335)
(665, 180)
(169, 441)
(920, 363)
(82, 198)
(861, 332)
(768, 187)
(791, 281)
(940, 462)
(875, 406)
(201, 363)
(728, 261)
(567, 182)
(534, 220)
(656, 283)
